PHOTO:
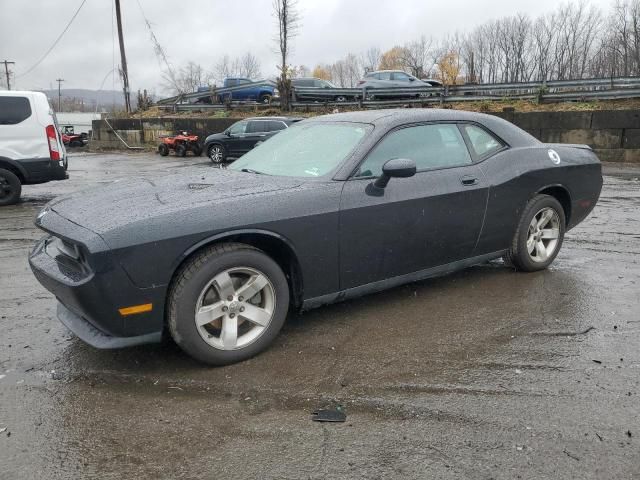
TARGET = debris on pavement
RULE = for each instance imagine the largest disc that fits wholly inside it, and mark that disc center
(571, 455)
(332, 415)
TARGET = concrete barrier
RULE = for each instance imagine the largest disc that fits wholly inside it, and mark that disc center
(147, 131)
(613, 134)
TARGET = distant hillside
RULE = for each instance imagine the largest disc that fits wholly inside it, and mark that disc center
(80, 99)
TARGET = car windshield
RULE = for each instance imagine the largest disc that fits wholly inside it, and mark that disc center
(304, 150)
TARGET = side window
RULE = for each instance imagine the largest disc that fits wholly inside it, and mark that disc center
(238, 128)
(258, 126)
(400, 77)
(482, 142)
(14, 110)
(430, 146)
(383, 76)
(276, 125)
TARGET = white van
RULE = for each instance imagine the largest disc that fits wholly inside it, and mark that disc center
(31, 149)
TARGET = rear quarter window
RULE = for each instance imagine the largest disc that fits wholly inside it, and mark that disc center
(14, 110)
(482, 142)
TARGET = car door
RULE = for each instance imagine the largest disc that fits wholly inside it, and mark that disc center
(236, 138)
(431, 219)
(256, 131)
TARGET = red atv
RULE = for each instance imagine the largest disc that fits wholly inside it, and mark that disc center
(71, 139)
(182, 143)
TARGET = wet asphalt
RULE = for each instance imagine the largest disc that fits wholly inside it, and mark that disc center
(486, 373)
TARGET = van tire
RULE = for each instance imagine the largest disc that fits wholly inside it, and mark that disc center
(10, 187)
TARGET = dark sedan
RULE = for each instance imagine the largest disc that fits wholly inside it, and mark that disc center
(332, 208)
(242, 136)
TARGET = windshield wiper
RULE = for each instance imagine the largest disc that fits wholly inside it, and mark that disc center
(248, 170)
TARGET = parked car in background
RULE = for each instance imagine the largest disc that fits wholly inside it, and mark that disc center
(31, 148)
(258, 93)
(394, 79)
(319, 85)
(242, 136)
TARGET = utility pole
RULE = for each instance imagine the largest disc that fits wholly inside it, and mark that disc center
(59, 80)
(6, 71)
(123, 59)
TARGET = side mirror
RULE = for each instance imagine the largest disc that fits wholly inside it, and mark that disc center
(227, 133)
(411, 79)
(396, 168)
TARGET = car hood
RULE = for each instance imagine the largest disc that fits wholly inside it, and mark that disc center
(130, 201)
(215, 136)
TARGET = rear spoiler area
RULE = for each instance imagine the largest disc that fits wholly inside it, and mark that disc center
(570, 145)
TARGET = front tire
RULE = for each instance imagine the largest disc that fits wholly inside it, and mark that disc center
(539, 236)
(227, 304)
(10, 187)
(217, 154)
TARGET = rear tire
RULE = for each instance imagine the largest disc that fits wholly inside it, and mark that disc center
(265, 98)
(210, 319)
(10, 187)
(163, 149)
(181, 150)
(539, 236)
(196, 149)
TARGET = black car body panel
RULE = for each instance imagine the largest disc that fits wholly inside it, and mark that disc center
(342, 238)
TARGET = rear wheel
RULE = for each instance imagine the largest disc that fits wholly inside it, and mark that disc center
(539, 236)
(217, 153)
(265, 98)
(163, 149)
(181, 150)
(196, 149)
(227, 304)
(341, 99)
(76, 143)
(10, 187)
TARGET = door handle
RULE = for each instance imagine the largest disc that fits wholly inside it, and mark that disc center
(468, 180)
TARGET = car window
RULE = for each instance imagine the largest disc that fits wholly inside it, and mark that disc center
(304, 150)
(276, 125)
(238, 128)
(258, 126)
(400, 76)
(383, 76)
(482, 142)
(243, 80)
(430, 146)
(14, 110)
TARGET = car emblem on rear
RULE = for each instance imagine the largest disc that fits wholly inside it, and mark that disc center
(553, 155)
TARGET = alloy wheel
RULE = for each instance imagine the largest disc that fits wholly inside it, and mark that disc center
(235, 308)
(543, 235)
(215, 154)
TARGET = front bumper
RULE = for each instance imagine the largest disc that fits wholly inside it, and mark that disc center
(86, 332)
(91, 294)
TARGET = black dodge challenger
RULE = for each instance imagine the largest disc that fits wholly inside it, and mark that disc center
(331, 208)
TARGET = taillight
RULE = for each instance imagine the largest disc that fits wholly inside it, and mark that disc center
(360, 82)
(54, 152)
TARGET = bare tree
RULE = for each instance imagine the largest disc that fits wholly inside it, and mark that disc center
(371, 59)
(286, 12)
(187, 79)
(416, 56)
(250, 66)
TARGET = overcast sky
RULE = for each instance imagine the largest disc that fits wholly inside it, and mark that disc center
(205, 30)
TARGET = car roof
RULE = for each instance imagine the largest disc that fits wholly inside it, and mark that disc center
(390, 71)
(284, 119)
(394, 117)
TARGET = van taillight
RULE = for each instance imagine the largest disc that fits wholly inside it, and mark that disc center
(54, 152)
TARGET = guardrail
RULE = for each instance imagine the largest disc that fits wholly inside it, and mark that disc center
(554, 91)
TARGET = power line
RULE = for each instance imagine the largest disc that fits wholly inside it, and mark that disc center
(6, 70)
(54, 43)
